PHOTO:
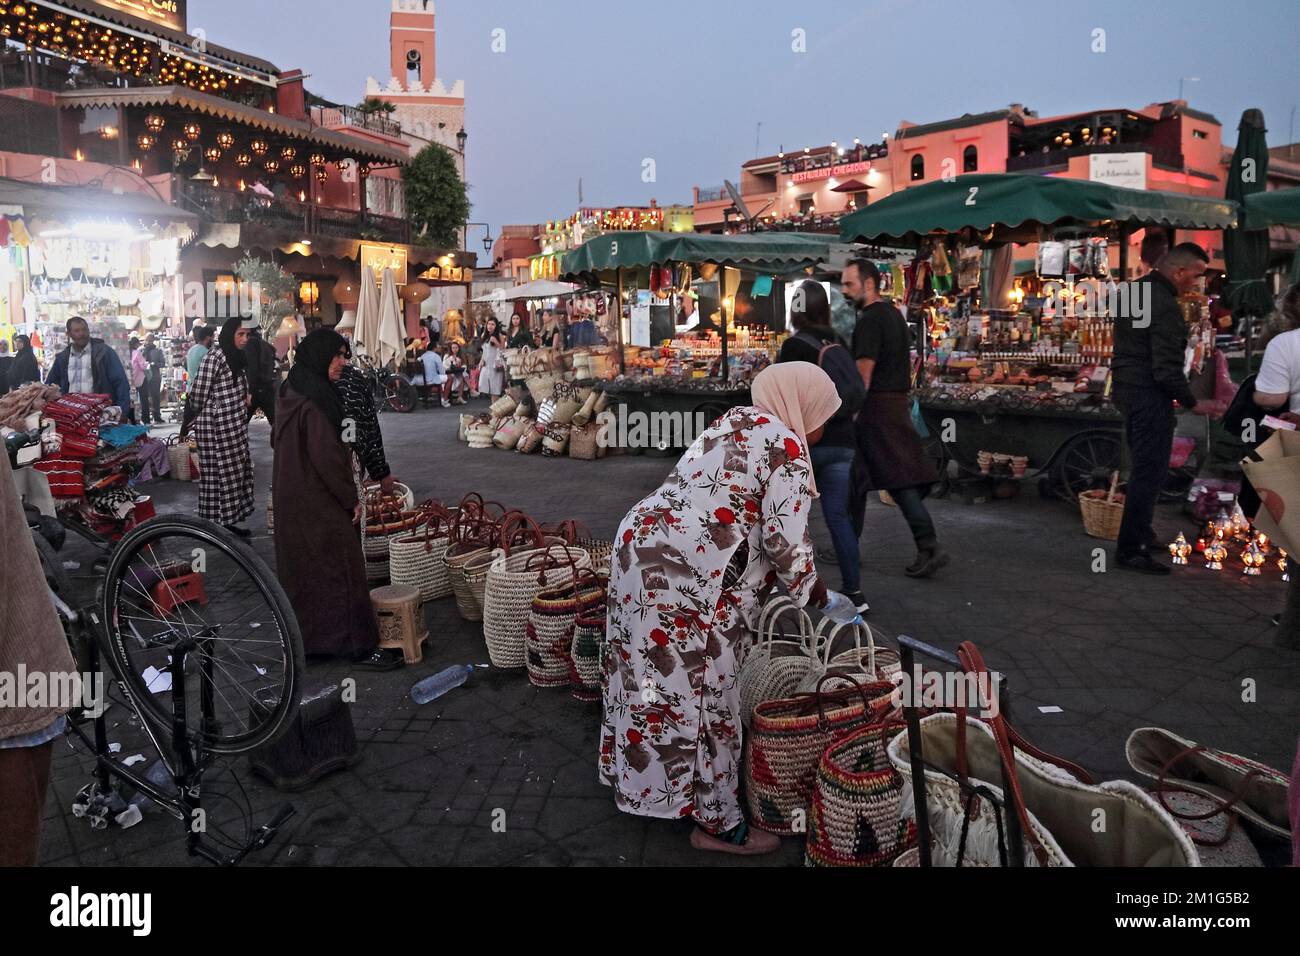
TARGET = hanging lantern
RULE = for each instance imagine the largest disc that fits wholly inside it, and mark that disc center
(1215, 555)
(316, 159)
(1282, 565)
(288, 154)
(297, 170)
(309, 293)
(243, 160)
(212, 155)
(225, 139)
(347, 291)
(154, 122)
(1253, 558)
(1180, 549)
(145, 141)
(179, 145)
(193, 131)
(272, 166)
(259, 147)
(363, 170)
(322, 175)
(416, 292)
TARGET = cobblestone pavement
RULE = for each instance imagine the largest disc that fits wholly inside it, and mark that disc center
(1113, 651)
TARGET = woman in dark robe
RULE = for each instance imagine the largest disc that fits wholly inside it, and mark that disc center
(317, 545)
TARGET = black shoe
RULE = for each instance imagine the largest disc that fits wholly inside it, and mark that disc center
(1142, 562)
(238, 531)
(1276, 619)
(383, 659)
(926, 563)
(859, 602)
(828, 556)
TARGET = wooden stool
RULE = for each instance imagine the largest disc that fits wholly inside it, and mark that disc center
(401, 621)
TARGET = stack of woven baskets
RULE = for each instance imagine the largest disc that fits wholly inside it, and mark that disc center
(552, 415)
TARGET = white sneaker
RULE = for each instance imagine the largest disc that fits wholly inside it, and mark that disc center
(446, 404)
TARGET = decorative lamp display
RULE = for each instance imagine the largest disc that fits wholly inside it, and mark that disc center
(145, 141)
(272, 166)
(1261, 540)
(212, 154)
(363, 170)
(316, 159)
(1180, 549)
(288, 154)
(322, 175)
(1222, 525)
(1253, 559)
(297, 170)
(243, 160)
(192, 131)
(179, 145)
(309, 294)
(1282, 565)
(259, 147)
(1200, 545)
(225, 139)
(154, 122)
(1240, 523)
(1215, 555)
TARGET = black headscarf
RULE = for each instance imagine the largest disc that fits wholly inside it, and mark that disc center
(310, 376)
(234, 355)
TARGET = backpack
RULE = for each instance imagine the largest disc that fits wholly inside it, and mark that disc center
(834, 359)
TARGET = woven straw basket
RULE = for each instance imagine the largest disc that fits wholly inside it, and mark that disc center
(1102, 511)
(513, 581)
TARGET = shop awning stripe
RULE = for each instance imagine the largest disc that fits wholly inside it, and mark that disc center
(209, 105)
(1277, 207)
(776, 252)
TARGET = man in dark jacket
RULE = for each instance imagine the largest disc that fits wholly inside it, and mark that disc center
(263, 377)
(6, 360)
(1147, 378)
(88, 365)
(157, 365)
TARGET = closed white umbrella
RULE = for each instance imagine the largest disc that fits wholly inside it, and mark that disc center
(391, 342)
(366, 336)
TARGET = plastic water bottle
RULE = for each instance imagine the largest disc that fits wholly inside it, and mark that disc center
(434, 686)
(840, 609)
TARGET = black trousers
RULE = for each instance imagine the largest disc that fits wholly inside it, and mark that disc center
(153, 386)
(145, 406)
(1149, 430)
(264, 398)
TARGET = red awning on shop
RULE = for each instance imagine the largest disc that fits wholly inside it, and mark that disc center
(851, 186)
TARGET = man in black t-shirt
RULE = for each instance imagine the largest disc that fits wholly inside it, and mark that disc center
(890, 456)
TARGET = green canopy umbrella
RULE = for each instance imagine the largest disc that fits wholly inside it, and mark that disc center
(1276, 207)
(1245, 250)
(1009, 207)
(777, 253)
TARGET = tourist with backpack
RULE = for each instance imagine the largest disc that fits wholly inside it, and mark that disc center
(816, 342)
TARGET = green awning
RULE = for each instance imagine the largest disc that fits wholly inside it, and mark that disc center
(774, 252)
(1277, 207)
(1013, 206)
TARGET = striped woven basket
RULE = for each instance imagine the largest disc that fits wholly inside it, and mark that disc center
(419, 559)
(786, 742)
(472, 535)
(854, 818)
(552, 620)
(779, 659)
(588, 655)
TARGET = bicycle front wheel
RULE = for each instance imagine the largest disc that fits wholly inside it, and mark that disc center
(401, 394)
(177, 579)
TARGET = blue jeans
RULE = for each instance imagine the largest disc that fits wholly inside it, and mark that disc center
(831, 467)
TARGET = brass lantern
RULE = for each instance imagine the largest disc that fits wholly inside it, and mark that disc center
(154, 122)
(316, 159)
(212, 154)
(322, 175)
(145, 141)
(179, 145)
(288, 154)
(272, 166)
(192, 131)
(259, 147)
(243, 160)
(1180, 549)
(297, 170)
(225, 139)
(1253, 558)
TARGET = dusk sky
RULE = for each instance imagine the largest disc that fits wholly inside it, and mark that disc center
(591, 89)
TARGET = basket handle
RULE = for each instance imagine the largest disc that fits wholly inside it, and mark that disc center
(1114, 481)
(822, 723)
(825, 651)
(549, 562)
(515, 530)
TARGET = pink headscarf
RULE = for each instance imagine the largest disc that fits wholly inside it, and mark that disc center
(801, 395)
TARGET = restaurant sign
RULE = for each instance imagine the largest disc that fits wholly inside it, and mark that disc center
(380, 258)
(167, 13)
(1119, 169)
(826, 172)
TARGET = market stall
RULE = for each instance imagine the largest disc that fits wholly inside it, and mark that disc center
(1013, 361)
(678, 293)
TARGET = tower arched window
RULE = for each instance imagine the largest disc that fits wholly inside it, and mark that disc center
(918, 167)
(970, 160)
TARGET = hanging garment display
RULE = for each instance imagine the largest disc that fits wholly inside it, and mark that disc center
(1051, 260)
(968, 266)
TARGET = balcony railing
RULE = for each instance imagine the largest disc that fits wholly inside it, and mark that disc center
(334, 116)
(716, 194)
(1160, 155)
(296, 218)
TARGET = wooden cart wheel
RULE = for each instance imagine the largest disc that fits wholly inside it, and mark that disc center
(1085, 461)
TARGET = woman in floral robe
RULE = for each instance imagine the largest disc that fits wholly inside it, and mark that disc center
(694, 561)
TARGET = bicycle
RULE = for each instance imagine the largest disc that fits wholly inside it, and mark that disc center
(392, 390)
(202, 645)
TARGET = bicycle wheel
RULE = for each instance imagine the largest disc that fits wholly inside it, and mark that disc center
(400, 394)
(178, 578)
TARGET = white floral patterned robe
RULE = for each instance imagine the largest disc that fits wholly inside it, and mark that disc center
(692, 564)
